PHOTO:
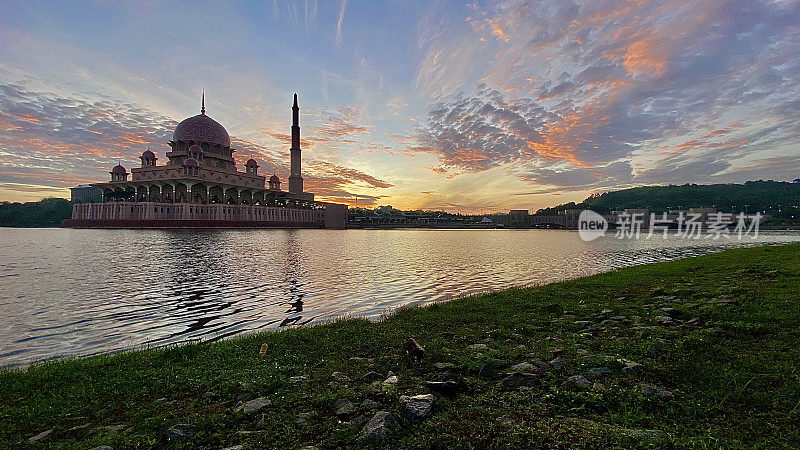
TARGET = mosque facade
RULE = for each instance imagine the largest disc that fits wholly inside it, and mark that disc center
(200, 186)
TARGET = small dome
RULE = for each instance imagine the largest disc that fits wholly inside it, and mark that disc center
(202, 128)
(191, 162)
(195, 148)
(274, 179)
(148, 154)
(118, 169)
(251, 162)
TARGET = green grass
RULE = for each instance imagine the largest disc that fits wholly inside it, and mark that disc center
(734, 378)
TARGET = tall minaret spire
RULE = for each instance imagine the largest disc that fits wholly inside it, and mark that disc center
(296, 178)
(203, 108)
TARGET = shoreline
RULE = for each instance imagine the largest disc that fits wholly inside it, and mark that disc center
(643, 351)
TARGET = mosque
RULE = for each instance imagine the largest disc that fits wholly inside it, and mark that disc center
(200, 186)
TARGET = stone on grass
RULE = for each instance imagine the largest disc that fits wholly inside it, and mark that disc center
(380, 425)
(299, 379)
(302, 418)
(654, 391)
(39, 437)
(102, 447)
(369, 404)
(344, 407)
(478, 347)
(339, 377)
(416, 407)
(443, 366)
(558, 363)
(577, 381)
(263, 351)
(631, 367)
(665, 320)
(253, 406)
(180, 432)
(600, 371)
(519, 379)
(412, 347)
(369, 377)
(392, 379)
(557, 351)
(448, 388)
(523, 367)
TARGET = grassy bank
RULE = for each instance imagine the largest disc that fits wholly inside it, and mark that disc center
(697, 352)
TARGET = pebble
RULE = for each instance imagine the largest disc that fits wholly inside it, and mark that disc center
(339, 377)
(416, 407)
(39, 437)
(523, 367)
(449, 388)
(299, 379)
(390, 380)
(412, 347)
(478, 347)
(344, 407)
(656, 391)
(577, 381)
(558, 363)
(180, 432)
(518, 379)
(380, 425)
(253, 406)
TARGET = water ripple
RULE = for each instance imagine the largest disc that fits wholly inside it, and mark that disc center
(82, 292)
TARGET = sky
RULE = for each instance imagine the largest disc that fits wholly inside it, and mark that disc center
(461, 106)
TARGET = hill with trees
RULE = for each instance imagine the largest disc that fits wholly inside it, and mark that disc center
(777, 198)
(48, 212)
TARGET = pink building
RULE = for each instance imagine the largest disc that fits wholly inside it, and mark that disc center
(200, 186)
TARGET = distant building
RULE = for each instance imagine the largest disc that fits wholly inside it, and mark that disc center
(85, 194)
(200, 186)
(518, 218)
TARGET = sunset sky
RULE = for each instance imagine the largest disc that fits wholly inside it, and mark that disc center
(437, 105)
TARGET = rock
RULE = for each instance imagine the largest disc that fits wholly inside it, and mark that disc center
(416, 407)
(523, 367)
(631, 367)
(113, 429)
(448, 388)
(102, 447)
(443, 366)
(299, 379)
(339, 377)
(557, 351)
(379, 426)
(39, 437)
(391, 380)
(478, 347)
(581, 351)
(600, 371)
(263, 352)
(235, 447)
(343, 407)
(369, 377)
(576, 381)
(180, 432)
(412, 347)
(558, 363)
(606, 312)
(518, 379)
(651, 391)
(245, 385)
(253, 406)
(641, 433)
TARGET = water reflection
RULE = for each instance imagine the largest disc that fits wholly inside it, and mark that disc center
(80, 292)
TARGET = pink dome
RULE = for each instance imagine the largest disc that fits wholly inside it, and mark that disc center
(202, 128)
(251, 162)
(118, 169)
(274, 179)
(191, 162)
(148, 154)
(195, 148)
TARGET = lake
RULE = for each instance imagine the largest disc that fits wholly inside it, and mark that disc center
(66, 292)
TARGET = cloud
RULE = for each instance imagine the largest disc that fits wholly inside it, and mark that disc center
(604, 94)
(339, 21)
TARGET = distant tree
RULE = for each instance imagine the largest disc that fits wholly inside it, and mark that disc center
(48, 212)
